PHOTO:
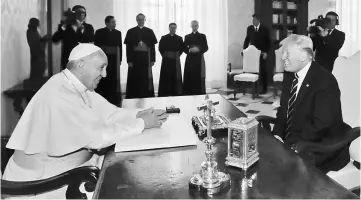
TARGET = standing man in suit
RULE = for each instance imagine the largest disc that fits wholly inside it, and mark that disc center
(110, 41)
(328, 42)
(140, 42)
(195, 45)
(72, 32)
(258, 35)
(310, 107)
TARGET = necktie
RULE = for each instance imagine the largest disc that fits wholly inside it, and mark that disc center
(329, 32)
(291, 102)
(256, 29)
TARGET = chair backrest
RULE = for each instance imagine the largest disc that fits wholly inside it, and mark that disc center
(347, 73)
(279, 64)
(251, 56)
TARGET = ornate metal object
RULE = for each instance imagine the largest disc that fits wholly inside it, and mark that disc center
(200, 123)
(242, 143)
(209, 179)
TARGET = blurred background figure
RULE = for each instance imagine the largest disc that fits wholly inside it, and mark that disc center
(37, 49)
(73, 30)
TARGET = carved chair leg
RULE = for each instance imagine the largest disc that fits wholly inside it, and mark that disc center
(274, 92)
(244, 85)
(254, 89)
(234, 92)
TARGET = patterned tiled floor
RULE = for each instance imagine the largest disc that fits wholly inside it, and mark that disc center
(262, 105)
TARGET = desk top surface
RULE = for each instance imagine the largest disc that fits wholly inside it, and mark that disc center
(165, 173)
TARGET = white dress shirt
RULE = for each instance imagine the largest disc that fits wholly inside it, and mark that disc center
(257, 27)
(301, 76)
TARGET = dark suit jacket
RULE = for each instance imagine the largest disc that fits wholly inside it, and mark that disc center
(260, 39)
(316, 117)
(71, 38)
(105, 37)
(327, 48)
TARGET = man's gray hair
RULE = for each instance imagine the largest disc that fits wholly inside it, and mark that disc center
(194, 21)
(301, 41)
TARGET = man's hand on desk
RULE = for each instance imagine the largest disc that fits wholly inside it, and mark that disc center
(153, 118)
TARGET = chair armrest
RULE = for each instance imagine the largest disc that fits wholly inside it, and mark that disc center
(313, 147)
(73, 178)
(266, 121)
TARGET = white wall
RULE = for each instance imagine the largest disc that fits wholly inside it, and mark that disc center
(239, 18)
(316, 8)
(15, 53)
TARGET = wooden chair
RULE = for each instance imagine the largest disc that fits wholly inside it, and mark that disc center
(72, 178)
(251, 57)
(278, 73)
(230, 75)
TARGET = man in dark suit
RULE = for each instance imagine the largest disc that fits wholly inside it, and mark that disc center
(328, 42)
(310, 107)
(73, 32)
(259, 36)
(110, 40)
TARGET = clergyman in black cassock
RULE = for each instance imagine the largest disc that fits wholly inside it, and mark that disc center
(110, 40)
(171, 48)
(140, 42)
(195, 45)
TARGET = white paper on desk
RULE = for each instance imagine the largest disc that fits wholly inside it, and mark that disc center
(175, 132)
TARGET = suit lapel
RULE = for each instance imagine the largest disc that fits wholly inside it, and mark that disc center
(307, 83)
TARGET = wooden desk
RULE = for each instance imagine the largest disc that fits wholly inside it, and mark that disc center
(164, 174)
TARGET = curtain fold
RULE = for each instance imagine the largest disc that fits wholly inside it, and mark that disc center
(212, 18)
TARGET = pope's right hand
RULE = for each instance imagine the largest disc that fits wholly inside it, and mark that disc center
(152, 119)
(130, 64)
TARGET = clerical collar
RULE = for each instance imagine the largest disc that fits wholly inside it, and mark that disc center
(141, 27)
(195, 32)
(171, 34)
(75, 81)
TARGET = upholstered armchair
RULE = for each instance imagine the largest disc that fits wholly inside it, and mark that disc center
(250, 72)
(278, 72)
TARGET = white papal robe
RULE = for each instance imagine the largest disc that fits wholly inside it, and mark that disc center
(59, 123)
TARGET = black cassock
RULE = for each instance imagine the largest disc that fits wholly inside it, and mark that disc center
(194, 69)
(170, 80)
(111, 43)
(140, 51)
